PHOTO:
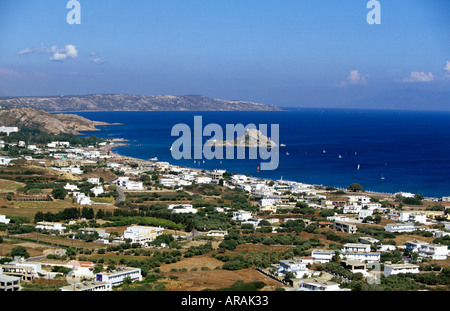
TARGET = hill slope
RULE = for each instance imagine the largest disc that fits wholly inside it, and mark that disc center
(46, 122)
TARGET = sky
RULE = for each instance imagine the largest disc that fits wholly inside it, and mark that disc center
(298, 53)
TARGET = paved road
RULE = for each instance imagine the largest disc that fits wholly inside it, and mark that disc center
(121, 197)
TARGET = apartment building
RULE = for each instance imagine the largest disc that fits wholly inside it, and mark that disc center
(116, 277)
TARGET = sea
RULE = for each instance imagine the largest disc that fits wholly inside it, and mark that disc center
(383, 150)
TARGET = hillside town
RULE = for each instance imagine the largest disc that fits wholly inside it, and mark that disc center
(80, 217)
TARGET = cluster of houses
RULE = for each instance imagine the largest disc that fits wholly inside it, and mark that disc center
(274, 195)
(81, 276)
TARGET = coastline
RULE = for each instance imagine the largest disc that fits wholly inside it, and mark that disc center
(149, 162)
(400, 177)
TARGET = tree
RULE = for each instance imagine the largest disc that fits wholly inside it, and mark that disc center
(59, 193)
(100, 214)
(20, 251)
(355, 187)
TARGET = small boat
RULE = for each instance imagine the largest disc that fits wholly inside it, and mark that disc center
(382, 177)
(287, 153)
(324, 151)
(340, 157)
(359, 166)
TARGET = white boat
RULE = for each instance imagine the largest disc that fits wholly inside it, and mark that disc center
(287, 153)
(340, 157)
(359, 166)
(382, 177)
(324, 151)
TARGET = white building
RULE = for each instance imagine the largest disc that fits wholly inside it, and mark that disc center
(203, 180)
(180, 209)
(386, 248)
(269, 202)
(142, 234)
(8, 129)
(242, 215)
(405, 194)
(4, 220)
(125, 182)
(364, 213)
(356, 247)
(27, 271)
(408, 217)
(345, 227)
(4, 160)
(359, 199)
(70, 187)
(51, 226)
(9, 283)
(429, 250)
(82, 268)
(82, 199)
(167, 182)
(368, 257)
(88, 286)
(94, 180)
(322, 256)
(117, 276)
(400, 228)
(393, 269)
(367, 239)
(237, 179)
(318, 285)
(297, 266)
(97, 190)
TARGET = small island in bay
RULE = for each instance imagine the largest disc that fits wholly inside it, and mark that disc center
(252, 138)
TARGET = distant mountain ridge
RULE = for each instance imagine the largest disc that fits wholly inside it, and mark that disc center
(127, 102)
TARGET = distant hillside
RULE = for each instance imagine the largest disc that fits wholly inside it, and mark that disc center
(46, 122)
(126, 102)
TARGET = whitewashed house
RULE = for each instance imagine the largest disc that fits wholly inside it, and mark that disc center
(242, 215)
(393, 269)
(4, 220)
(51, 226)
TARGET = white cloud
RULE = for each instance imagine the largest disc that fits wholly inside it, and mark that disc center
(417, 76)
(25, 51)
(59, 55)
(354, 77)
(447, 67)
(96, 60)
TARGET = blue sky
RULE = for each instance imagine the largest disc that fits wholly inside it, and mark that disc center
(319, 53)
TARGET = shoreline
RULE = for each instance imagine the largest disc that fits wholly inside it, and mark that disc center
(149, 162)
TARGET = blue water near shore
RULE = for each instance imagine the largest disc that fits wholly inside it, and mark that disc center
(409, 149)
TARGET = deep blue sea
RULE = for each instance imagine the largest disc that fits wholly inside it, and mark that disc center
(410, 149)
